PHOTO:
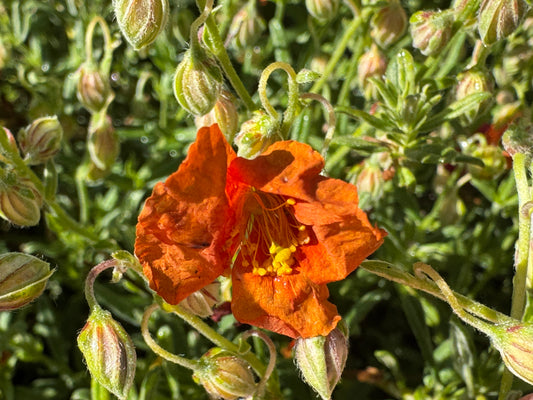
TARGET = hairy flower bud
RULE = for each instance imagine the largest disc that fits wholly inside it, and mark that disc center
(324, 10)
(389, 24)
(515, 344)
(202, 301)
(246, 27)
(141, 20)
(256, 135)
(497, 19)
(321, 359)
(492, 157)
(371, 64)
(197, 82)
(224, 113)
(40, 140)
(518, 138)
(103, 143)
(20, 201)
(5, 153)
(225, 376)
(109, 352)
(470, 82)
(431, 30)
(22, 279)
(94, 91)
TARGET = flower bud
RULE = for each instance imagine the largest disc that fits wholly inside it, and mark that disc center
(389, 24)
(470, 82)
(225, 376)
(201, 302)
(371, 64)
(103, 143)
(141, 20)
(256, 135)
(20, 201)
(518, 138)
(5, 153)
(497, 19)
(94, 91)
(246, 27)
(515, 344)
(109, 352)
(197, 82)
(40, 140)
(22, 279)
(321, 359)
(431, 30)
(324, 10)
(224, 113)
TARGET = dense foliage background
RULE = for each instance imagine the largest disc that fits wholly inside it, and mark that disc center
(417, 166)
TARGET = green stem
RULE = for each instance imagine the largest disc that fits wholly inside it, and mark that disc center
(339, 51)
(332, 119)
(208, 332)
(89, 282)
(108, 44)
(195, 26)
(184, 362)
(216, 45)
(521, 255)
(397, 274)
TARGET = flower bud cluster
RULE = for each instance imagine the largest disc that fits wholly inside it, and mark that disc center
(389, 24)
(497, 19)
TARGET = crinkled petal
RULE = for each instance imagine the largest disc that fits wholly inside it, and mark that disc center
(291, 305)
(182, 231)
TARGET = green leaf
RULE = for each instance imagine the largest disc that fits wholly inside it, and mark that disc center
(370, 119)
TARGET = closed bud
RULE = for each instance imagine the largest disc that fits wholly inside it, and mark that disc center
(22, 279)
(225, 376)
(471, 82)
(370, 182)
(256, 135)
(515, 344)
(201, 302)
(94, 91)
(389, 24)
(431, 30)
(321, 359)
(7, 153)
(20, 201)
(224, 113)
(40, 140)
(109, 352)
(197, 82)
(518, 138)
(246, 27)
(324, 10)
(103, 143)
(497, 19)
(371, 64)
(141, 21)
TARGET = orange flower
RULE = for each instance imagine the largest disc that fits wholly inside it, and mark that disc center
(287, 229)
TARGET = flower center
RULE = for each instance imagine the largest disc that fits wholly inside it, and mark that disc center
(272, 235)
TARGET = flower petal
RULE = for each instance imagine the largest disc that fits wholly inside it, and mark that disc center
(285, 168)
(181, 233)
(291, 305)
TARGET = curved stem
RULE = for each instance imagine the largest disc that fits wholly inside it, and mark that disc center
(197, 23)
(332, 119)
(290, 112)
(271, 361)
(212, 335)
(422, 269)
(161, 352)
(91, 277)
(397, 274)
(108, 45)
